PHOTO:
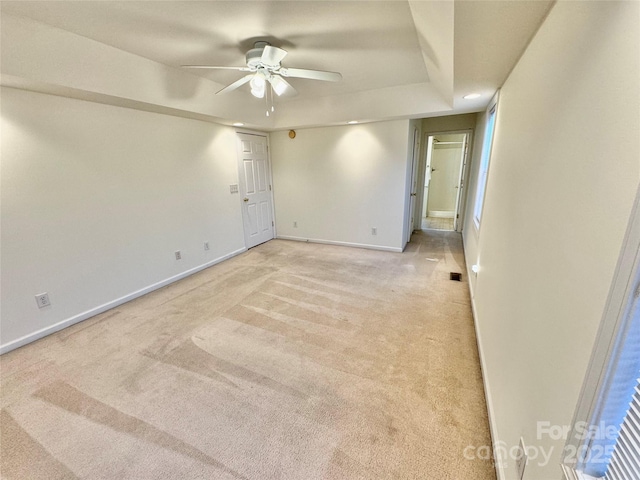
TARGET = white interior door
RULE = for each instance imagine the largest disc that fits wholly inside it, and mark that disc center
(414, 183)
(255, 189)
(458, 220)
(463, 164)
(427, 178)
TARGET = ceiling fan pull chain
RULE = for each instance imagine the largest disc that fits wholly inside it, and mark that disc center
(271, 88)
(266, 97)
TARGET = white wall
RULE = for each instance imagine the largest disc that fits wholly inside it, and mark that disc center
(562, 180)
(96, 199)
(449, 123)
(338, 183)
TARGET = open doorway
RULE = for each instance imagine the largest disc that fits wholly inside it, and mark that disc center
(442, 198)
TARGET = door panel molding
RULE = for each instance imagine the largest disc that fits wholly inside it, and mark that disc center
(256, 194)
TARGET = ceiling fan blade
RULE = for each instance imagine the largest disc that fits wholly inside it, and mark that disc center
(281, 86)
(272, 56)
(312, 74)
(236, 84)
(213, 67)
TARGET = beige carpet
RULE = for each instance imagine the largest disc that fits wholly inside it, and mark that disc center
(293, 361)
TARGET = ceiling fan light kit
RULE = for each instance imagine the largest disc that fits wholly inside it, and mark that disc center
(266, 73)
(257, 84)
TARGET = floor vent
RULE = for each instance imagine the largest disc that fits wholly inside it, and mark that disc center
(455, 276)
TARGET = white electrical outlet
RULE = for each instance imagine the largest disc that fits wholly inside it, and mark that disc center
(206, 245)
(295, 224)
(43, 300)
(374, 231)
(178, 255)
(521, 459)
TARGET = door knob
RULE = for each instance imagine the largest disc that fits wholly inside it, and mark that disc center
(245, 199)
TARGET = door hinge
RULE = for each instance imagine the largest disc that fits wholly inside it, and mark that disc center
(269, 187)
(457, 215)
(272, 224)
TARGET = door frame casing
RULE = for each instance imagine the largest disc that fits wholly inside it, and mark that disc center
(241, 194)
(466, 161)
(413, 183)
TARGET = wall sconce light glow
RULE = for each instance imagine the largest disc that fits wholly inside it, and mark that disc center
(471, 96)
(238, 124)
(475, 269)
(352, 122)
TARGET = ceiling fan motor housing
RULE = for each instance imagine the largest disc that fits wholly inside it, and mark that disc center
(254, 55)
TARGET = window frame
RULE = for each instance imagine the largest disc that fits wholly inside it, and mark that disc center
(616, 318)
(485, 159)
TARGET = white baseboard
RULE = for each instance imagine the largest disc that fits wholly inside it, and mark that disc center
(343, 244)
(441, 213)
(493, 429)
(32, 337)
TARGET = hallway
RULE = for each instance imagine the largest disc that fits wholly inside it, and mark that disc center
(437, 223)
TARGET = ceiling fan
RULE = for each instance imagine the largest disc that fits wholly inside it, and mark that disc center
(263, 63)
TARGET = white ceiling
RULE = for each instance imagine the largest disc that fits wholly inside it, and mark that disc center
(398, 58)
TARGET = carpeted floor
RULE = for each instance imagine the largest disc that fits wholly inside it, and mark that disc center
(293, 361)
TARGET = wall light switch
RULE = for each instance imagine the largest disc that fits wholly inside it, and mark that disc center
(206, 245)
(233, 188)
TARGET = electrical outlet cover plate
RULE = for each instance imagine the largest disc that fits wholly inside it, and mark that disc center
(43, 300)
(178, 255)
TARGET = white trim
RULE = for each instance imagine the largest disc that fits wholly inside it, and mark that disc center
(571, 474)
(422, 173)
(619, 300)
(410, 214)
(342, 244)
(493, 428)
(273, 200)
(32, 337)
(461, 198)
(441, 213)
